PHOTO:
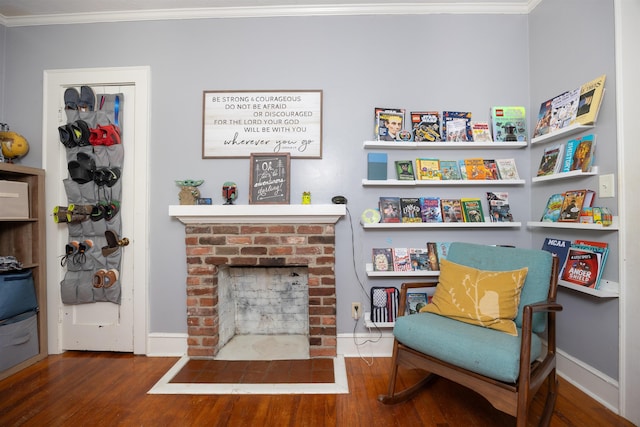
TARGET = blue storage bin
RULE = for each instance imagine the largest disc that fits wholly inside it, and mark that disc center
(17, 294)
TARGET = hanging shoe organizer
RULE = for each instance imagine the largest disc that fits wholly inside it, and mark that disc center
(95, 154)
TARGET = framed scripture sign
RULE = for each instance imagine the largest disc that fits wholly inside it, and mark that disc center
(238, 123)
(269, 178)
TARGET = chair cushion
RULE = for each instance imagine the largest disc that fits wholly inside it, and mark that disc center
(496, 258)
(482, 350)
(483, 298)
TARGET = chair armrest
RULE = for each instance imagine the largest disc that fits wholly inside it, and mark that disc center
(402, 304)
(548, 306)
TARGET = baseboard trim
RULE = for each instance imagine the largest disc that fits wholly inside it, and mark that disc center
(162, 344)
(365, 344)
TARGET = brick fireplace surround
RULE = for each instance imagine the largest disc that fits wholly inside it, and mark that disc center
(263, 236)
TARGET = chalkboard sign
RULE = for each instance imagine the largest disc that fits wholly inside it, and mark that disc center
(269, 178)
(238, 123)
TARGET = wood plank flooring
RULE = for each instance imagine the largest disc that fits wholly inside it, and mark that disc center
(107, 389)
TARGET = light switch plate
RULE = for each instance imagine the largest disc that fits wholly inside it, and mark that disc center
(606, 186)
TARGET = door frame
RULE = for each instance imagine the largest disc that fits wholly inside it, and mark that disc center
(53, 81)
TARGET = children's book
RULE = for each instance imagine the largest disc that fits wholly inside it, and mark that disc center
(601, 248)
(448, 116)
(472, 210)
(410, 209)
(432, 250)
(449, 170)
(426, 126)
(507, 169)
(475, 168)
(382, 259)
(544, 119)
(388, 123)
(389, 209)
(404, 170)
(442, 249)
(431, 211)
(451, 210)
(590, 100)
(574, 201)
(509, 123)
(428, 169)
(481, 132)
(583, 154)
(499, 209)
(401, 260)
(419, 259)
(564, 108)
(463, 169)
(582, 267)
(457, 131)
(415, 301)
(551, 162)
(552, 209)
(570, 149)
(491, 169)
(560, 248)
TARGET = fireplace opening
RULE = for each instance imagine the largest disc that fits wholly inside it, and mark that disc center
(263, 313)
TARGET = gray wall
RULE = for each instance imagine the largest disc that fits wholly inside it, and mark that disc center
(438, 62)
(588, 326)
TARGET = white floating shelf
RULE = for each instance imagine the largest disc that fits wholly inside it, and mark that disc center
(439, 182)
(369, 324)
(607, 289)
(563, 175)
(409, 145)
(564, 132)
(575, 225)
(387, 225)
(403, 273)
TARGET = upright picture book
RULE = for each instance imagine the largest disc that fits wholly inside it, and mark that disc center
(401, 260)
(456, 131)
(553, 207)
(564, 108)
(574, 201)
(389, 122)
(591, 94)
(451, 210)
(382, 259)
(509, 123)
(404, 170)
(425, 126)
(507, 168)
(449, 170)
(419, 259)
(499, 209)
(410, 208)
(389, 209)
(481, 132)
(475, 168)
(552, 160)
(428, 169)
(582, 267)
(472, 210)
(415, 301)
(558, 247)
(431, 211)
(580, 154)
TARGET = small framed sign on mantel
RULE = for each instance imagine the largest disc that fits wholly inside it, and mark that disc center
(269, 178)
(238, 123)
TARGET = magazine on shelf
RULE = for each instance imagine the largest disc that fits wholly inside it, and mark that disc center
(388, 123)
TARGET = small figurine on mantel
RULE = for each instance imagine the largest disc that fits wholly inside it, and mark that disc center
(189, 192)
(229, 192)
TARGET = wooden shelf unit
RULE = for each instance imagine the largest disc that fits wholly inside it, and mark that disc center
(25, 239)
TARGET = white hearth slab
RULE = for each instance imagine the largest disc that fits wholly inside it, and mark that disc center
(265, 347)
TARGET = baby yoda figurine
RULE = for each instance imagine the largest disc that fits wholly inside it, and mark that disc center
(189, 192)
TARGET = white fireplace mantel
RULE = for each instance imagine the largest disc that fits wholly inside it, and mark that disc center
(257, 214)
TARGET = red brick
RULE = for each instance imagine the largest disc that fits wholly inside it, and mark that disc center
(281, 229)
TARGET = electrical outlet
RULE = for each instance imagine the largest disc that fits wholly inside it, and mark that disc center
(356, 310)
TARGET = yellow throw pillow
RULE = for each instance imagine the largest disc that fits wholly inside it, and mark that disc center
(484, 298)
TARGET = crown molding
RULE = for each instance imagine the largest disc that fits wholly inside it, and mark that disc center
(273, 11)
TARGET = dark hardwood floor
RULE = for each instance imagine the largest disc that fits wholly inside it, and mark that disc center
(107, 389)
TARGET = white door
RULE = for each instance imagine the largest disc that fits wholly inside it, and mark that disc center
(100, 326)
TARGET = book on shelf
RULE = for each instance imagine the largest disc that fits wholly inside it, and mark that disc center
(574, 201)
(449, 170)
(481, 132)
(419, 259)
(591, 94)
(553, 208)
(491, 169)
(582, 154)
(475, 168)
(499, 209)
(404, 170)
(601, 248)
(425, 126)
(377, 166)
(564, 108)
(428, 169)
(430, 208)
(583, 267)
(454, 132)
(507, 169)
(389, 209)
(558, 247)
(472, 209)
(551, 161)
(410, 209)
(434, 261)
(462, 166)
(388, 123)
(509, 124)
(401, 260)
(382, 259)
(544, 119)
(415, 301)
(451, 210)
(442, 249)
